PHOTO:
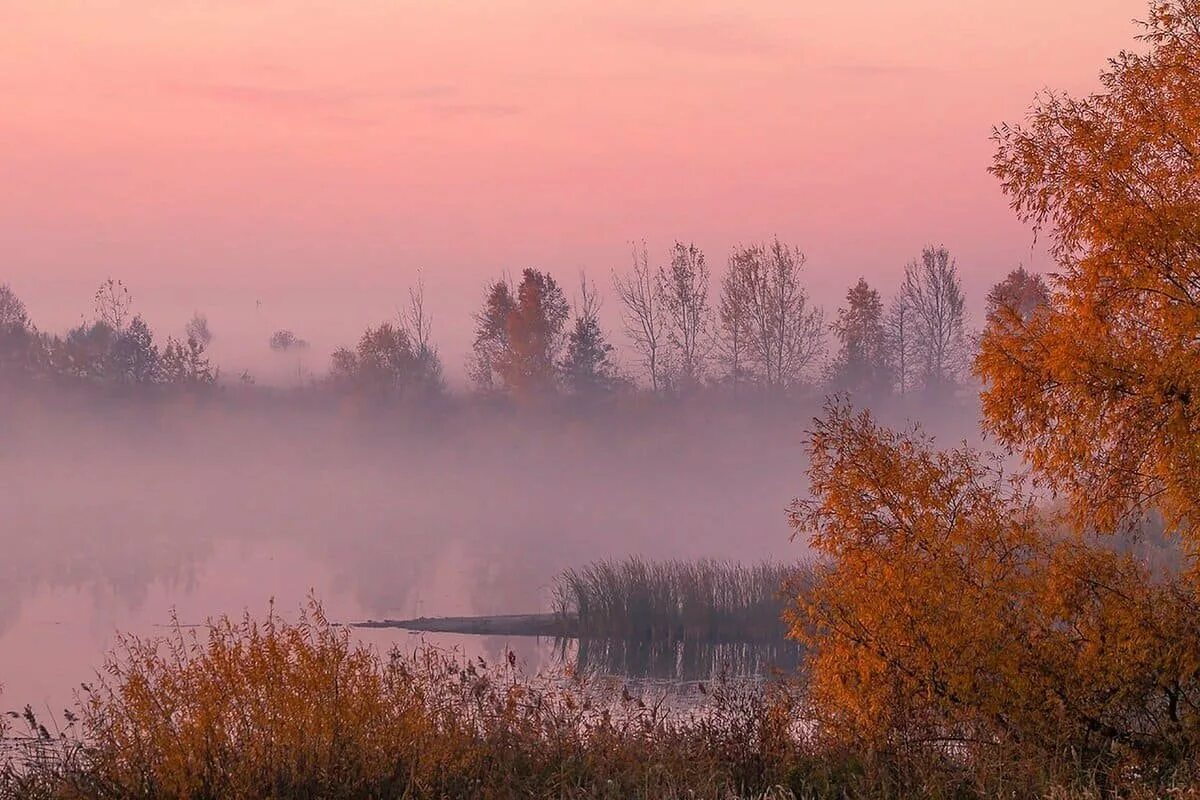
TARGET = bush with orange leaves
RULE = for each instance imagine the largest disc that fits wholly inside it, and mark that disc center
(282, 710)
(949, 620)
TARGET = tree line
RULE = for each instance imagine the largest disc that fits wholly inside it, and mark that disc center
(754, 329)
(114, 347)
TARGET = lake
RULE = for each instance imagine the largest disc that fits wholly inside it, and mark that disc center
(109, 521)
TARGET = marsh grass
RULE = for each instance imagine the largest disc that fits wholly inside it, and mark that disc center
(675, 601)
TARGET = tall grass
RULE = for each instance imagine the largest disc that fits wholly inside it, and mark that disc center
(675, 601)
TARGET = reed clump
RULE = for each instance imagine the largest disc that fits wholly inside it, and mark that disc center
(676, 601)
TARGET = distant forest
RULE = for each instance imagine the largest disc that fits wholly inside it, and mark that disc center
(751, 331)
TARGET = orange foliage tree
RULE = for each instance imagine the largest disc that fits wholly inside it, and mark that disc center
(947, 615)
(1101, 389)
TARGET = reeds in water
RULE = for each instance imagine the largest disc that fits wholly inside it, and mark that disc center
(675, 601)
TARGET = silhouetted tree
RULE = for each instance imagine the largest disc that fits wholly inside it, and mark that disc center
(861, 364)
(932, 292)
(518, 339)
(83, 353)
(283, 340)
(385, 366)
(418, 326)
(18, 340)
(644, 316)
(185, 364)
(12, 310)
(587, 370)
(1021, 291)
(733, 325)
(197, 328)
(783, 332)
(111, 304)
(535, 327)
(490, 347)
(133, 357)
(899, 337)
(688, 318)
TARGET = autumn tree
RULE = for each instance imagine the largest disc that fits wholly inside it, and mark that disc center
(644, 316)
(862, 361)
(587, 368)
(535, 331)
(1101, 391)
(519, 337)
(784, 333)
(490, 346)
(932, 293)
(946, 610)
(684, 284)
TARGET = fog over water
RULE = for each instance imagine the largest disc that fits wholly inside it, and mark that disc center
(115, 512)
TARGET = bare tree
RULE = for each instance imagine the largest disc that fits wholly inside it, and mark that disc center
(684, 290)
(932, 291)
(417, 324)
(112, 302)
(415, 320)
(784, 333)
(898, 335)
(733, 324)
(644, 316)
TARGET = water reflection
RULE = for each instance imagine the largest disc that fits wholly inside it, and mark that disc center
(108, 521)
(678, 662)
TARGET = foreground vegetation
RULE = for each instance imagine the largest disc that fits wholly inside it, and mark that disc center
(271, 709)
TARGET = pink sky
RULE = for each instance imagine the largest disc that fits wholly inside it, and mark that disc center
(315, 154)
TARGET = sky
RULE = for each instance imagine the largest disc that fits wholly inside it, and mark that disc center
(295, 163)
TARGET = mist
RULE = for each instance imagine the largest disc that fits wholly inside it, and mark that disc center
(116, 510)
